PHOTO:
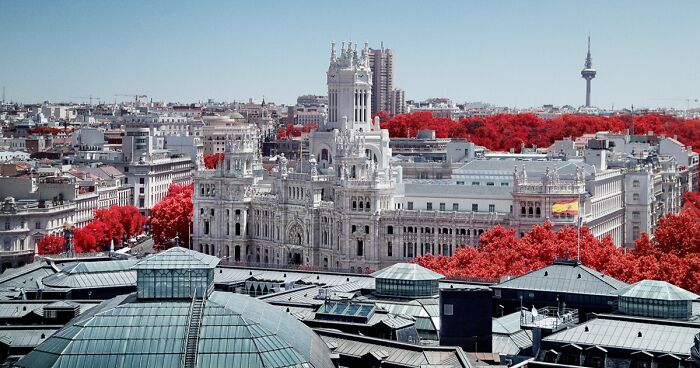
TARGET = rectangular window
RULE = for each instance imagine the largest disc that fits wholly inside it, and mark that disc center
(490, 183)
(360, 248)
(142, 180)
(389, 250)
(442, 206)
(389, 229)
(429, 206)
(460, 183)
(475, 183)
(37, 225)
(448, 309)
(475, 207)
(455, 206)
(410, 205)
(504, 184)
(492, 208)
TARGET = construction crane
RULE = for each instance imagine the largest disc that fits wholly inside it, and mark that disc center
(136, 97)
(91, 97)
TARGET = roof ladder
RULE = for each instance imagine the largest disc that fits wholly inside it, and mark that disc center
(192, 338)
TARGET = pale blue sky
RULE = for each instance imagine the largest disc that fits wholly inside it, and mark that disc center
(515, 53)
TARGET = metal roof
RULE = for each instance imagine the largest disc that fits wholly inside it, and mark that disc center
(91, 280)
(26, 337)
(511, 344)
(100, 266)
(565, 277)
(657, 336)
(407, 271)
(177, 258)
(392, 352)
(654, 289)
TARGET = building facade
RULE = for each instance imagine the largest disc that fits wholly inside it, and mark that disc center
(348, 205)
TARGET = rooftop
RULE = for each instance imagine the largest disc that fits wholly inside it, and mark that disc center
(407, 271)
(177, 258)
(654, 289)
(565, 276)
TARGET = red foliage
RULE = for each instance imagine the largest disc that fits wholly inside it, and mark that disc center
(506, 131)
(213, 160)
(673, 255)
(109, 224)
(51, 244)
(48, 130)
(173, 216)
(289, 131)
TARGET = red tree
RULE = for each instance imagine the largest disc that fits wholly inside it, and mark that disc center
(173, 216)
(673, 255)
(213, 160)
(509, 131)
(51, 244)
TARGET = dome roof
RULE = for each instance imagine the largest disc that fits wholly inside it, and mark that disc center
(237, 115)
(407, 271)
(655, 289)
(235, 331)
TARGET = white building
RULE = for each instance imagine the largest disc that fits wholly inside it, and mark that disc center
(348, 205)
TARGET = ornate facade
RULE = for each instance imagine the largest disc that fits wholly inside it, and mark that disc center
(348, 206)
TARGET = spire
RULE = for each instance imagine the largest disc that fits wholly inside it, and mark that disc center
(589, 61)
(333, 56)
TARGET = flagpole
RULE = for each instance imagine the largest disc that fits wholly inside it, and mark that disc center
(578, 237)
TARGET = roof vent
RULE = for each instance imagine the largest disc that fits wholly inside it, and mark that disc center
(586, 329)
(43, 336)
(639, 334)
(546, 273)
(579, 276)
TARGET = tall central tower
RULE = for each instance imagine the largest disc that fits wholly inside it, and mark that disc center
(588, 73)
(349, 88)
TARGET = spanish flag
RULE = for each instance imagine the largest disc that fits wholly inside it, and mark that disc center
(568, 207)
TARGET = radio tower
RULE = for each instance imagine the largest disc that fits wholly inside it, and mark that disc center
(588, 73)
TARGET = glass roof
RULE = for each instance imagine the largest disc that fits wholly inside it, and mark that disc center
(128, 332)
(407, 271)
(654, 289)
(177, 258)
(347, 309)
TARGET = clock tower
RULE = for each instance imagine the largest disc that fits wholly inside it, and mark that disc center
(349, 89)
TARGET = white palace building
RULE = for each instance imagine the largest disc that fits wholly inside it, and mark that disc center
(349, 207)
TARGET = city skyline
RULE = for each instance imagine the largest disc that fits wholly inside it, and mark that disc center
(504, 53)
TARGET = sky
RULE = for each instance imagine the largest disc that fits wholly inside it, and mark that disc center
(509, 53)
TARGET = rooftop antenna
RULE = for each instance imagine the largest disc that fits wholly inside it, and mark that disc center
(3, 95)
(632, 115)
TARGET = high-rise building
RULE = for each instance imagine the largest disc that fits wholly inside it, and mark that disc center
(588, 73)
(397, 102)
(381, 62)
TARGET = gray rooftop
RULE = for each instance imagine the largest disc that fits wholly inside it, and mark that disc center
(394, 353)
(654, 289)
(657, 336)
(407, 271)
(177, 258)
(565, 277)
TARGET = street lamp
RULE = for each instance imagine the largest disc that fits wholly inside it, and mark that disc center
(68, 230)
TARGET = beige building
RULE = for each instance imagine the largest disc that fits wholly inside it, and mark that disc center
(381, 61)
